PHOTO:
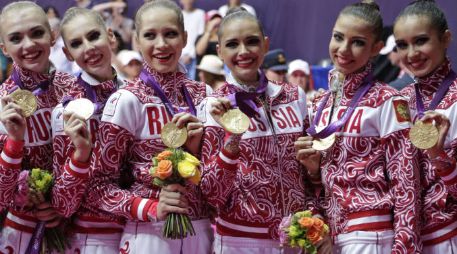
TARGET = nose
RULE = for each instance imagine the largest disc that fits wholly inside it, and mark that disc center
(344, 47)
(243, 49)
(28, 42)
(88, 45)
(411, 52)
(161, 42)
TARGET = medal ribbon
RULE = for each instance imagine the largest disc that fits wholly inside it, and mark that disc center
(42, 86)
(439, 95)
(333, 127)
(152, 82)
(35, 243)
(245, 100)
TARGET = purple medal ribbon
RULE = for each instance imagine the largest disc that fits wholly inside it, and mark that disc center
(35, 243)
(439, 95)
(245, 100)
(90, 93)
(42, 86)
(333, 127)
(152, 82)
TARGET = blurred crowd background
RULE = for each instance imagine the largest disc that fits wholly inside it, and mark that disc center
(299, 32)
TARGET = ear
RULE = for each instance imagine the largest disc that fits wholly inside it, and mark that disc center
(267, 45)
(111, 36)
(54, 36)
(67, 54)
(185, 38)
(376, 48)
(447, 37)
(218, 48)
(2, 46)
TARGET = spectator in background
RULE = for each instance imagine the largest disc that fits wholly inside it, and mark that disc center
(299, 74)
(57, 56)
(84, 3)
(194, 24)
(274, 65)
(113, 12)
(235, 3)
(207, 42)
(211, 71)
(404, 77)
(130, 64)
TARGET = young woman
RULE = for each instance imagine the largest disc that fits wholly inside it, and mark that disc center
(252, 179)
(422, 37)
(25, 140)
(88, 43)
(367, 164)
(130, 131)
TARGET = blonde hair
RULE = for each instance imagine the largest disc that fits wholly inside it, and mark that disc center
(21, 5)
(166, 4)
(74, 12)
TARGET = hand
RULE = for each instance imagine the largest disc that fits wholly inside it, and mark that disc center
(219, 107)
(76, 129)
(442, 124)
(45, 212)
(213, 25)
(172, 200)
(186, 59)
(194, 130)
(325, 246)
(307, 155)
(13, 119)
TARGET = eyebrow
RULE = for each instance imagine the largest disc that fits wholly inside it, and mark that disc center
(32, 29)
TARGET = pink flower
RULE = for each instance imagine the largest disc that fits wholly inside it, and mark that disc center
(285, 223)
(22, 194)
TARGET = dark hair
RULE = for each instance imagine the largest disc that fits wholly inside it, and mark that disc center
(428, 9)
(367, 11)
(120, 42)
(166, 4)
(238, 13)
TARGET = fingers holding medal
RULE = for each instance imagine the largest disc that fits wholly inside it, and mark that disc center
(15, 108)
(231, 119)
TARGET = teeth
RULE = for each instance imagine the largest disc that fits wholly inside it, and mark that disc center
(245, 61)
(94, 59)
(31, 56)
(162, 56)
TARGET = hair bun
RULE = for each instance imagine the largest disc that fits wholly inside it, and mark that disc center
(371, 3)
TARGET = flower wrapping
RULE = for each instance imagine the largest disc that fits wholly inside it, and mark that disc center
(302, 230)
(34, 188)
(175, 166)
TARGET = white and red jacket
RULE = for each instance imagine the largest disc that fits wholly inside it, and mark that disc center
(440, 189)
(36, 150)
(370, 174)
(254, 189)
(129, 134)
(72, 176)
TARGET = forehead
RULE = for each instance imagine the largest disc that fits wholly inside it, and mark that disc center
(412, 24)
(240, 28)
(81, 24)
(353, 26)
(21, 20)
(156, 18)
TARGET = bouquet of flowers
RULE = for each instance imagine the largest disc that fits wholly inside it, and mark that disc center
(175, 166)
(34, 188)
(303, 231)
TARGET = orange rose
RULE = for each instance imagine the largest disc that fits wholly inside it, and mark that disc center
(306, 222)
(164, 169)
(164, 155)
(314, 236)
(318, 224)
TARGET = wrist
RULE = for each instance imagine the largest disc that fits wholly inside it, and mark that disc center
(443, 162)
(82, 155)
(232, 142)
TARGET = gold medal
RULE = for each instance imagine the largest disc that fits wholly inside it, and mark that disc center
(235, 121)
(172, 136)
(325, 143)
(26, 100)
(423, 135)
(82, 107)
